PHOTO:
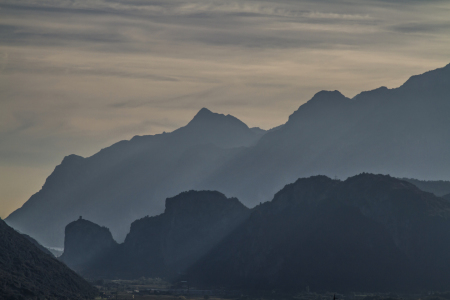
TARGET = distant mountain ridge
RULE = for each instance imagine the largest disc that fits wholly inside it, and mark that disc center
(402, 132)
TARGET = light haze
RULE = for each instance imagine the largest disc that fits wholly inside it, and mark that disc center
(77, 76)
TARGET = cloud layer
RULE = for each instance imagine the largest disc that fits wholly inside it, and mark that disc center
(76, 76)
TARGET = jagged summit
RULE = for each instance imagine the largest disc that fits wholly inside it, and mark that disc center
(203, 113)
(207, 116)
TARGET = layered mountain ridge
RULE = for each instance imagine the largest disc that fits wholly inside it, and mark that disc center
(367, 233)
(130, 179)
(402, 132)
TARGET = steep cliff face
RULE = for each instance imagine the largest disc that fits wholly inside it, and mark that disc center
(191, 225)
(26, 272)
(370, 232)
(164, 245)
(86, 243)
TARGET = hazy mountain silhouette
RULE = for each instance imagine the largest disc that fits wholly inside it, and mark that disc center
(401, 131)
(132, 178)
(26, 272)
(161, 246)
(370, 232)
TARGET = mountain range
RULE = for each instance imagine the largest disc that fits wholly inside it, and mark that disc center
(367, 233)
(402, 132)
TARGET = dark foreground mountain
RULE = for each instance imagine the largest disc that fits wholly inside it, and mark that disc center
(368, 233)
(161, 246)
(26, 272)
(131, 179)
(36, 243)
(402, 132)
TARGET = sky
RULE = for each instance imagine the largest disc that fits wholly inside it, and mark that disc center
(79, 75)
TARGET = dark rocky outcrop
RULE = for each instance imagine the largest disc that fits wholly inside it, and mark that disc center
(161, 246)
(86, 243)
(368, 233)
(26, 272)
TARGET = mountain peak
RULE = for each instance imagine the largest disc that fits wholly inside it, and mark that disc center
(215, 119)
(204, 112)
(321, 102)
(327, 95)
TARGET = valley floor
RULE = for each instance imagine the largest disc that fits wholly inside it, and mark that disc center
(160, 290)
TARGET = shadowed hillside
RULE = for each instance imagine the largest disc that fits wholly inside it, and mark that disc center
(26, 272)
(368, 233)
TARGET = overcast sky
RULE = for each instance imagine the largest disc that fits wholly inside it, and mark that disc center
(79, 75)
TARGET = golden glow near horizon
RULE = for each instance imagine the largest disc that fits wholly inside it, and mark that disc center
(77, 76)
